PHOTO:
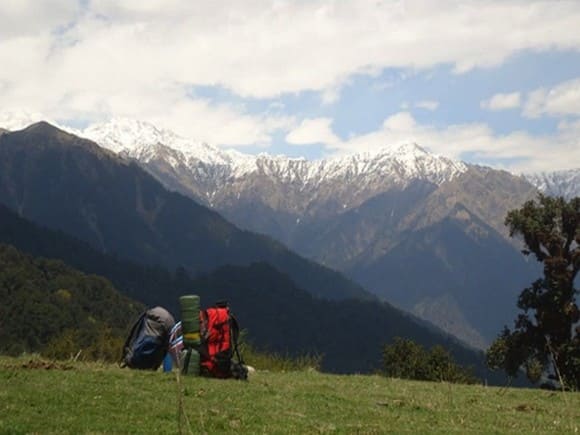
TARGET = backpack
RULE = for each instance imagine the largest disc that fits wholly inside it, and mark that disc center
(148, 340)
(219, 344)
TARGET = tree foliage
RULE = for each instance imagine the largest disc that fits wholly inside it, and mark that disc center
(406, 359)
(545, 339)
(50, 308)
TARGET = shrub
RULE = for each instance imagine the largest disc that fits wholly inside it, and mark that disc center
(406, 359)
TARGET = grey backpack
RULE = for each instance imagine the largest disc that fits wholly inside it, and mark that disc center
(148, 340)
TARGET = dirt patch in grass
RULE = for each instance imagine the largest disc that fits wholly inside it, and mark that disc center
(38, 364)
(525, 407)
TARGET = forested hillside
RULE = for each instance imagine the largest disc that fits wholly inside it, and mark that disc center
(49, 307)
(277, 315)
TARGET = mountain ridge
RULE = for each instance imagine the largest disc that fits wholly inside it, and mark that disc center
(354, 214)
(134, 139)
(349, 213)
(73, 185)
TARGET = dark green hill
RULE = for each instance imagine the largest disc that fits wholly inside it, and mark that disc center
(278, 316)
(71, 184)
(145, 283)
(48, 306)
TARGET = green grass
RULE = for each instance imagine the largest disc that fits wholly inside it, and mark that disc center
(41, 397)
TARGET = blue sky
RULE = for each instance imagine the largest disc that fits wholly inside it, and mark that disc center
(490, 82)
(366, 101)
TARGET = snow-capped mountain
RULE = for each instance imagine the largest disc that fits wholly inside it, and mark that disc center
(559, 183)
(152, 146)
(140, 140)
(216, 168)
(361, 214)
(400, 164)
(146, 143)
(415, 228)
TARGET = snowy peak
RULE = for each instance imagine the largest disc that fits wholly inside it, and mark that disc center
(122, 134)
(147, 143)
(408, 161)
(405, 151)
(559, 183)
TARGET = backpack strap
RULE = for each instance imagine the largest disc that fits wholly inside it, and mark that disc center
(235, 331)
(239, 370)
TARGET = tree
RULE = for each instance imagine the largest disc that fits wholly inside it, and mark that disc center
(546, 335)
(405, 359)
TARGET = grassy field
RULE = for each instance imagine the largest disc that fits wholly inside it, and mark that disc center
(42, 397)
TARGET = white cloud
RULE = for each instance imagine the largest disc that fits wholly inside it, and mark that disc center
(224, 125)
(313, 131)
(400, 122)
(264, 48)
(22, 18)
(330, 96)
(561, 100)
(502, 102)
(140, 59)
(427, 105)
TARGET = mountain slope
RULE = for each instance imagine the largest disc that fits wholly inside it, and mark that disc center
(48, 306)
(344, 239)
(270, 194)
(457, 273)
(355, 214)
(449, 260)
(277, 315)
(489, 194)
(73, 185)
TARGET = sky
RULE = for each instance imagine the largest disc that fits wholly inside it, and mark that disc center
(490, 82)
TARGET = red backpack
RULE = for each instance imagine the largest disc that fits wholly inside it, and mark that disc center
(219, 344)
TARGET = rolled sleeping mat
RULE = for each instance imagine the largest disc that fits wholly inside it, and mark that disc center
(190, 320)
(190, 363)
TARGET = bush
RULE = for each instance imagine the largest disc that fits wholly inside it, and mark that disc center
(406, 359)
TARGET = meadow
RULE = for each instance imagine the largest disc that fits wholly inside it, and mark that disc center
(41, 396)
